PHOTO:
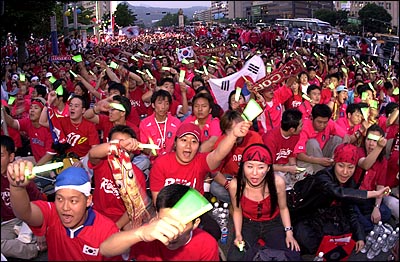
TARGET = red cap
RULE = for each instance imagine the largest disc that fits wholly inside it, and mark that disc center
(188, 128)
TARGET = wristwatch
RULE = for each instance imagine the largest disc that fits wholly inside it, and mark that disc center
(288, 229)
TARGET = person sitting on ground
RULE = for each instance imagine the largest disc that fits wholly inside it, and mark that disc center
(14, 245)
(326, 209)
(259, 206)
(193, 244)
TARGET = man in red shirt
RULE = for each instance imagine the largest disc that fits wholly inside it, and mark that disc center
(39, 136)
(318, 140)
(281, 142)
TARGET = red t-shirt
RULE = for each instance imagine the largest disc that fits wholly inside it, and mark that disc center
(211, 128)
(148, 128)
(305, 108)
(39, 138)
(106, 196)
(230, 164)
(167, 170)
(374, 176)
(281, 148)
(322, 137)
(136, 100)
(202, 247)
(85, 246)
(81, 138)
(344, 124)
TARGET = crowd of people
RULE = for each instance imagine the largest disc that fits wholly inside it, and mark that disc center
(99, 106)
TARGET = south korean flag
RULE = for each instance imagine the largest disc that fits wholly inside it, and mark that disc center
(91, 251)
(252, 71)
(186, 52)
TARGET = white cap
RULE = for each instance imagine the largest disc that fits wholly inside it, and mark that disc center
(35, 78)
(49, 74)
(225, 205)
(373, 38)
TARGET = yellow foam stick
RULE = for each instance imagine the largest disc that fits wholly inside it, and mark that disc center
(134, 58)
(331, 86)
(113, 65)
(319, 78)
(371, 86)
(182, 75)
(140, 72)
(365, 112)
(212, 45)
(205, 70)
(43, 168)
(269, 68)
(22, 77)
(373, 104)
(241, 246)
(148, 146)
(300, 169)
(344, 70)
(364, 96)
(91, 72)
(11, 100)
(306, 97)
(227, 60)
(153, 151)
(166, 68)
(396, 91)
(72, 73)
(198, 71)
(237, 93)
(252, 110)
(373, 137)
(149, 74)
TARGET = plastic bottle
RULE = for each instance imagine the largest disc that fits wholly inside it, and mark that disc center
(370, 239)
(320, 257)
(391, 240)
(378, 229)
(215, 210)
(394, 239)
(388, 228)
(373, 251)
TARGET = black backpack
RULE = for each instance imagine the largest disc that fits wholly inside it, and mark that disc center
(301, 194)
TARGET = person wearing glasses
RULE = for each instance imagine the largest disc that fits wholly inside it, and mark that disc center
(259, 206)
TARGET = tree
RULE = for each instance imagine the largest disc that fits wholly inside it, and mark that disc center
(171, 20)
(24, 18)
(374, 18)
(124, 16)
(326, 15)
(341, 18)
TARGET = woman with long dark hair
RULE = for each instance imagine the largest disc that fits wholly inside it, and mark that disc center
(259, 206)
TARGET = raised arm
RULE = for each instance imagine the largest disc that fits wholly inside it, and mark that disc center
(22, 207)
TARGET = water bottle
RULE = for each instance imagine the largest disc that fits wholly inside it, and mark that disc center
(388, 228)
(383, 244)
(226, 209)
(222, 220)
(391, 240)
(320, 257)
(373, 251)
(215, 210)
(378, 229)
(370, 239)
(394, 237)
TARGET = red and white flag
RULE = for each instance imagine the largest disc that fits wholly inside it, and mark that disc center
(186, 52)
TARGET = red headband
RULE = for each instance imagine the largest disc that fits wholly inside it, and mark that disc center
(36, 102)
(346, 153)
(257, 153)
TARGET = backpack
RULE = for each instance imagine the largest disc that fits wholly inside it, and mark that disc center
(302, 190)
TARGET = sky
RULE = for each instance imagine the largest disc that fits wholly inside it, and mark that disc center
(170, 4)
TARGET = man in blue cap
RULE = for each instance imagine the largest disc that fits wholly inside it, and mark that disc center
(74, 231)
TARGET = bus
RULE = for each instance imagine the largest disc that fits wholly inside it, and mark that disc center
(315, 25)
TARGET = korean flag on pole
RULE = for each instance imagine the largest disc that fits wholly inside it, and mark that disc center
(130, 31)
(252, 71)
(186, 52)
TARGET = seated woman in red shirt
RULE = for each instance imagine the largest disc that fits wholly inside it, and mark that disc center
(259, 206)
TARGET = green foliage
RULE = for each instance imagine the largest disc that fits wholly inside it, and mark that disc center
(374, 18)
(171, 20)
(25, 17)
(326, 15)
(124, 16)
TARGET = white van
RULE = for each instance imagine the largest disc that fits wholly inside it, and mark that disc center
(261, 25)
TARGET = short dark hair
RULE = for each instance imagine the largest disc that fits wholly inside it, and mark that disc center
(161, 93)
(125, 102)
(8, 143)
(41, 90)
(170, 195)
(117, 86)
(351, 108)
(84, 105)
(121, 129)
(321, 110)
(390, 107)
(206, 96)
(227, 118)
(167, 79)
(291, 118)
(311, 88)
